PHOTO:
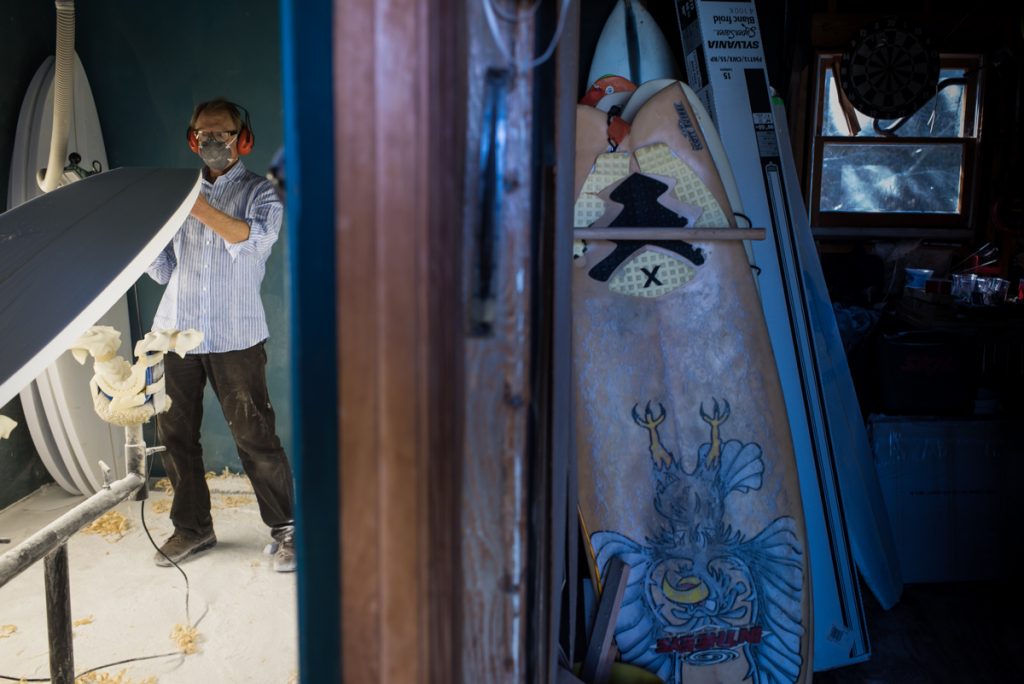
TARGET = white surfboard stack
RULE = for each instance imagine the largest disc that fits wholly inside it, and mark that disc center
(69, 437)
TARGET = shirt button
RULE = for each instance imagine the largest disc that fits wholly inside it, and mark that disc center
(206, 265)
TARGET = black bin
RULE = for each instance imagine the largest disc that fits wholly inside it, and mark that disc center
(927, 373)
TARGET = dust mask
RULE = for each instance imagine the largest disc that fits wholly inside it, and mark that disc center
(216, 155)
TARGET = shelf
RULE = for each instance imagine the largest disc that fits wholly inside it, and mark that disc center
(687, 234)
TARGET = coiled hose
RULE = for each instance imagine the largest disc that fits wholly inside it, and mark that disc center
(63, 94)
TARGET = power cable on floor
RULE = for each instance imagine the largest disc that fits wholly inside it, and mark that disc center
(142, 514)
(95, 669)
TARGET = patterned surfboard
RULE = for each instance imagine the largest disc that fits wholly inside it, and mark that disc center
(686, 465)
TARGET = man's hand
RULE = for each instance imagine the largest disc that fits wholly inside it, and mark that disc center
(228, 227)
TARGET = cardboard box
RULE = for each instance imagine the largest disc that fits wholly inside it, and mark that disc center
(948, 486)
(725, 66)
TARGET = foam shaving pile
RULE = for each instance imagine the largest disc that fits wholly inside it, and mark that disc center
(187, 638)
(7, 630)
(111, 525)
(105, 678)
(224, 474)
(87, 620)
(234, 501)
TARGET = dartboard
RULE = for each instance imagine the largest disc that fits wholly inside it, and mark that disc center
(889, 71)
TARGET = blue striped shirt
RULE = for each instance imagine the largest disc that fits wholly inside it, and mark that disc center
(213, 285)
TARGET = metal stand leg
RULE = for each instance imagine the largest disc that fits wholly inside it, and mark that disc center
(58, 616)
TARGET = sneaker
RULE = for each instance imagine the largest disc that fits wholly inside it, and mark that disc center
(284, 557)
(181, 545)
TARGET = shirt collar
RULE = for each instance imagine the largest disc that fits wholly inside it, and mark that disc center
(233, 174)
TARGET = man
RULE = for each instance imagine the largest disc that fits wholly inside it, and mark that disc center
(213, 269)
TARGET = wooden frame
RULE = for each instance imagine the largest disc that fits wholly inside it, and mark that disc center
(454, 454)
(908, 225)
(398, 99)
(499, 391)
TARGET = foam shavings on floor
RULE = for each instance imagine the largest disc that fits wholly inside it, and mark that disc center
(105, 678)
(225, 474)
(187, 639)
(233, 501)
(111, 525)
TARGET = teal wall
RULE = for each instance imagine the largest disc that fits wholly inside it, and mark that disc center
(148, 65)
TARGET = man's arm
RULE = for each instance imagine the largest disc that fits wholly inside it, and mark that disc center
(263, 215)
(233, 230)
(163, 266)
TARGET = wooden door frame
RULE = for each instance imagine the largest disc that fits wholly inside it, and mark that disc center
(434, 528)
(397, 102)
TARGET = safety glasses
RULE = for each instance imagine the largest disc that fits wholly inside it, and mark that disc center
(219, 136)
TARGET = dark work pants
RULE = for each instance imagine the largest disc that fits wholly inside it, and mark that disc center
(239, 380)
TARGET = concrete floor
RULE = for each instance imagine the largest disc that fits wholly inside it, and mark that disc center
(245, 613)
(950, 633)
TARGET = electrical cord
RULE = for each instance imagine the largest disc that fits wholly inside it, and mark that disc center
(188, 618)
(511, 14)
(491, 14)
(149, 471)
(98, 667)
(142, 514)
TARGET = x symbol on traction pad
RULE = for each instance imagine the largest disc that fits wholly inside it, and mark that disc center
(652, 276)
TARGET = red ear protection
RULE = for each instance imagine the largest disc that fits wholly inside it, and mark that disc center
(246, 138)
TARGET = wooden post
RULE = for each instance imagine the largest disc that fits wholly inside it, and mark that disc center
(398, 101)
(499, 392)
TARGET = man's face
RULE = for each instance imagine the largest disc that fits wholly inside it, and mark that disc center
(217, 125)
